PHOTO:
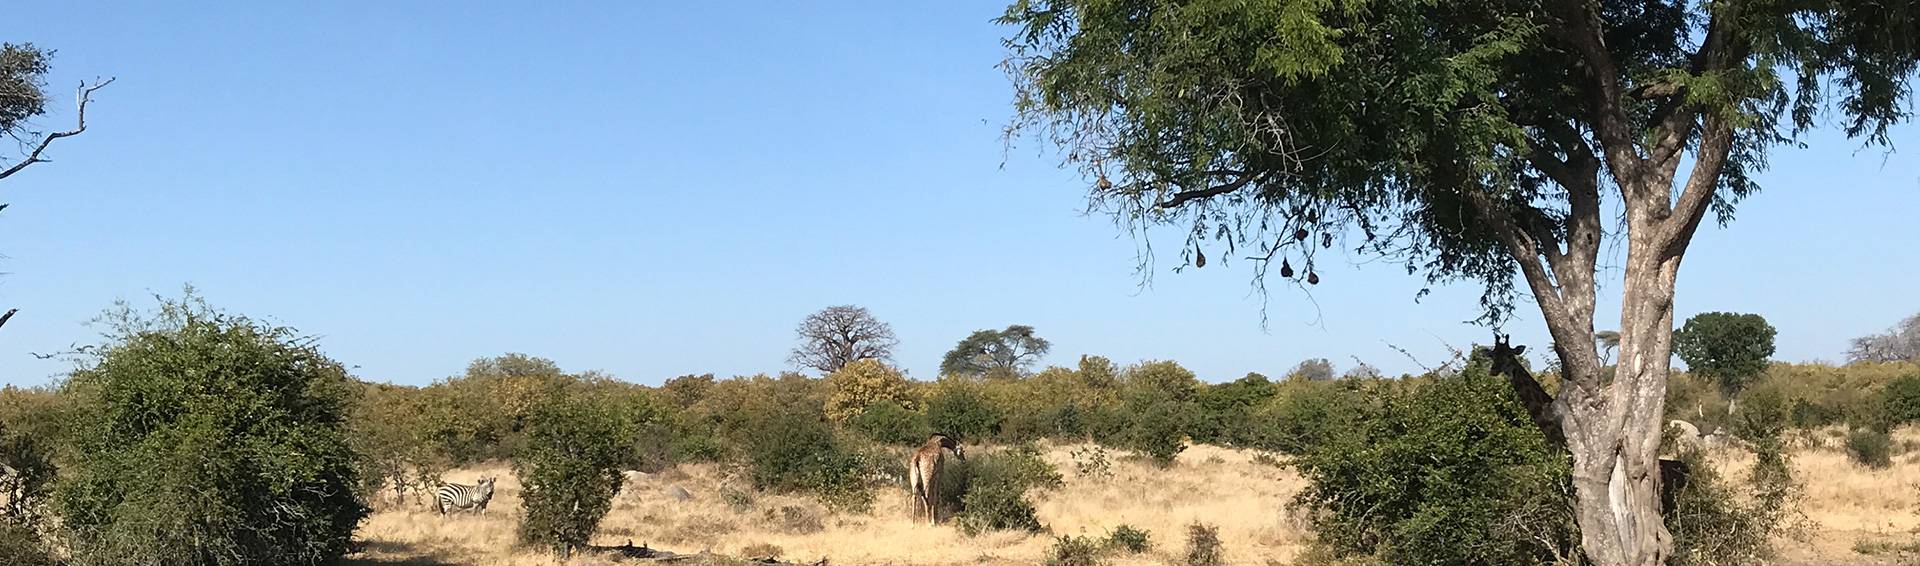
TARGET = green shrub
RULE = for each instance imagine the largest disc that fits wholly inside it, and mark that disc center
(793, 450)
(208, 438)
(992, 488)
(1075, 551)
(1130, 539)
(1870, 448)
(577, 445)
(1203, 546)
(1092, 462)
(887, 422)
(21, 546)
(1304, 415)
(957, 408)
(1902, 400)
(1154, 424)
(1442, 469)
(1713, 524)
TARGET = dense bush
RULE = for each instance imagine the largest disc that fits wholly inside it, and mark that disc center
(1712, 523)
(793, 450)
(26, 476)
(1303, 415)
(992, 489)
(208, 438)
(1442, 470)
(577, 445)
(1902, 400)
(887, 422)
(1154, 427)
(1870, 448)
(958, 408)
(1224, 412)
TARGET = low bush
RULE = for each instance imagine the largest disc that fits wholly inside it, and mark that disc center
(1203, 546)
(794, 450)
(1130, 539)
(992, 490)
(1902, 399)
(1870, 448)
(1075, 551)
(958, 408)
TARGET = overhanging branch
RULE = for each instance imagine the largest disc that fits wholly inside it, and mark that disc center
(85, 95)
(1184, 197)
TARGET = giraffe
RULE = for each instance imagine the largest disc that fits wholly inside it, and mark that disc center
(923, 474)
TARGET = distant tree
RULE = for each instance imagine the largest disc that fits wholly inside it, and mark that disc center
(1098, 372)
(1608, 341)
(1007, 353)
(1312, 369)
(1362, 371)
(207, 438)
(862, 383)
(1729, 349)
(839, 335)
(1497, 143)
(1898, 344)
(23, 97)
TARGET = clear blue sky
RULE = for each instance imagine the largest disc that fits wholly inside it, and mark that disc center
(658, 189)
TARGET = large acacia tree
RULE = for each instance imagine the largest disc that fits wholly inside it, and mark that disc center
(1472, 140)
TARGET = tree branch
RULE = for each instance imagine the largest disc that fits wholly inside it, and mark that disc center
(85, 94)
(1715, 143)
(1183, 197)
(8, 316)
(1581, 21)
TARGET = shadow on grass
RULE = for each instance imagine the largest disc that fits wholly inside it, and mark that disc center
(396, 554)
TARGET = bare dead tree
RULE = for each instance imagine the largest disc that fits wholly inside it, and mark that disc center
(840, 335)
(22, 98)
(84, 94)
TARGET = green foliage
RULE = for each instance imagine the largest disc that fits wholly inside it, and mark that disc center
(1730, 349)
(1005, 353)
(23, 70)
(1203, 546)
(1903, 400)
(1154, 427)
(1304, 415)
(577, 446)
(1312, 369)
(993, 489)
(1224, 413)
(208, 438)
(1712, 523)
(1870, 448)
(793, 450)
(1238, 123)
(1130, 539)
(860, 384)
(887, 422)
(1075, 551)
(1092, 462)
(959, 408)
(1446, 469)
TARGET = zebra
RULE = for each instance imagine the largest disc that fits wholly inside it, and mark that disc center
(453, 496)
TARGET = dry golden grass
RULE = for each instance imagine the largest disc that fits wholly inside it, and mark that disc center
(1845, 504)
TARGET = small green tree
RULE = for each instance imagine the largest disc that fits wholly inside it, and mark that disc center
(888, 422)
(576, 447)
(1729, 349)
(1902, 400)
(208, 438)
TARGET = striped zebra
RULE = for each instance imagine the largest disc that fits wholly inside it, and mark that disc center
(454, 497)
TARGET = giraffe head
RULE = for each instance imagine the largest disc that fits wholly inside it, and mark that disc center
(1506, 358)
(949, 443)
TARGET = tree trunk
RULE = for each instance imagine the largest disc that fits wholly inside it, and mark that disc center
(1613, 429)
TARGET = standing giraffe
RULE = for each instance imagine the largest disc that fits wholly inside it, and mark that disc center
(923, 474)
